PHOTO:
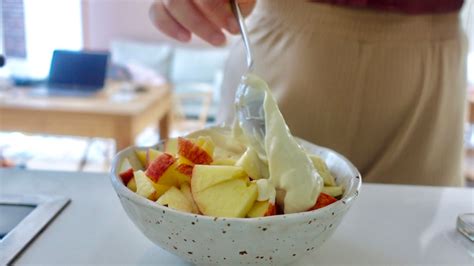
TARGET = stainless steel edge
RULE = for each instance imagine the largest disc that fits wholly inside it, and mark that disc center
(47, 208)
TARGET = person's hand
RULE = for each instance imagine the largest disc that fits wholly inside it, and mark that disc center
(205, 18)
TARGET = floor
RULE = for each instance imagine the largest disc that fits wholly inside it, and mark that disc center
(46, 152)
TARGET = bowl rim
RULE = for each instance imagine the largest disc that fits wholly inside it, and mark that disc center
(122, 190)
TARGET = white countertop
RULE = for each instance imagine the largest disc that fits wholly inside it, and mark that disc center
(388, 224)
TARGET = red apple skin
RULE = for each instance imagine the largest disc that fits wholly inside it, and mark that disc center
(158, 166)
(271, 210)
(323, 201)
(192, 152)
(185, 169)
(126, 175)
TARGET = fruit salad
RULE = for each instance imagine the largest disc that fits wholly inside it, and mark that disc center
(194, 175)
(226, 172)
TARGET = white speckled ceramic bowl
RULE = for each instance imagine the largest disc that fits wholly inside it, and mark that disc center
(206, 240)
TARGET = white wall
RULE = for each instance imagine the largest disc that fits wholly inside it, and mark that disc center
(3, 71)
(49, 25)
(107, 20)
(468, 22)
(1, 28)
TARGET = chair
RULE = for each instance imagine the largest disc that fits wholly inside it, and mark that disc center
(199, 97)
(196, 75)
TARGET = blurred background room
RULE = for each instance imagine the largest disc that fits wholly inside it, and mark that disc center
(142, 64)
(140, 59)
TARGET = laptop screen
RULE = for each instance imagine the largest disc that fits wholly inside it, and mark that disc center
(78, 69)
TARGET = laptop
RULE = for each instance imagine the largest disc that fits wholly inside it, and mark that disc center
(76, 73)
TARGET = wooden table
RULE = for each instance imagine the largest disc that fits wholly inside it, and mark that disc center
(112, 113)
(388, 224)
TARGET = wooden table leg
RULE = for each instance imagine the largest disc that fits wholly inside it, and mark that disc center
(164, 126)
(124, 139)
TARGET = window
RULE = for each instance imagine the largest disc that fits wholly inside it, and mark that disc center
(13, 22)
(46, 25)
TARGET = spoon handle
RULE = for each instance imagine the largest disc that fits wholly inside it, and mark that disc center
(243, 31)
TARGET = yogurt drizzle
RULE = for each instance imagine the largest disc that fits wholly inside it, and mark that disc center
(291, 172)
(289, 176)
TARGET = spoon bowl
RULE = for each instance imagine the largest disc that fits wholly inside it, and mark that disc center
(251, 114)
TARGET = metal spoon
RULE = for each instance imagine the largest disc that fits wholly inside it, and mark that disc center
(249, 97)
(243, 32)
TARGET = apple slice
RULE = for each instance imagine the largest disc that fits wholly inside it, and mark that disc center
(186, 170)
(151, 155)
(206, 143)
(186, 190)
(126, 171)
(224, 161)
(323, 170)
(175, 199)
(171, 146)
(262, 209)
(333, 191)
(193, 152)
(141, 154)
(183, 160)
(144, 186)
(132, 185)
(323, 201)
(159, 188)
(147, 156)
(252, 164)
(233, 198)
(128, 166)
(169, 171)
(176, 175)
(158, 166)
(126, 175)
(182, 169)
(205, 176)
